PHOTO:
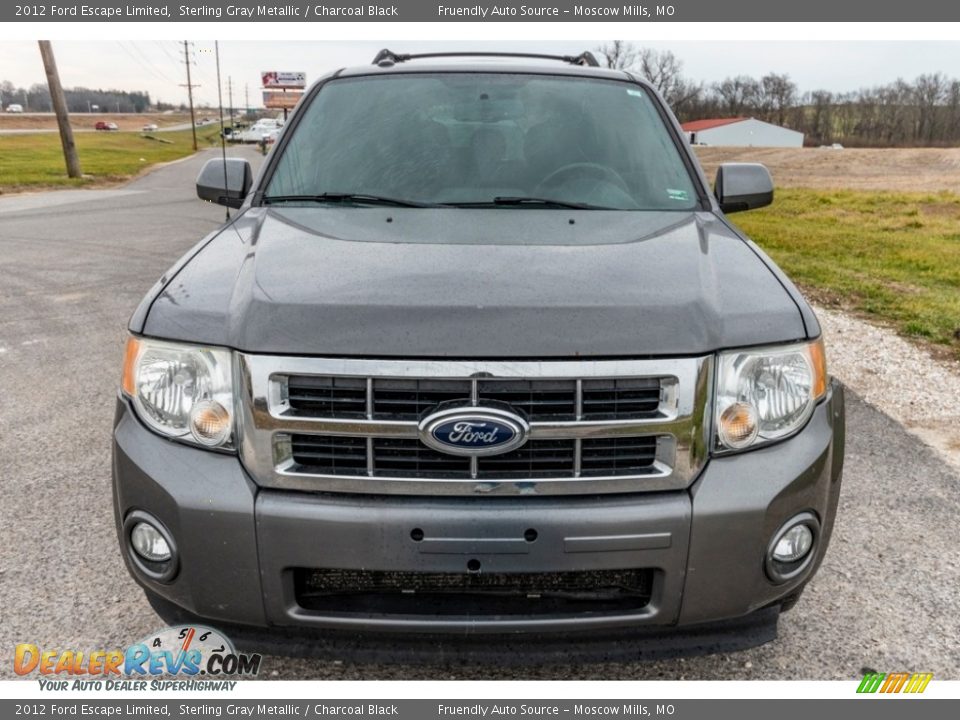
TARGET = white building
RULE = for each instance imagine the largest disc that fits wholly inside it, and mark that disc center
(741, 132)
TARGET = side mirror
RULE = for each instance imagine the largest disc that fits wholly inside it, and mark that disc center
(225, 182)
(743, 186)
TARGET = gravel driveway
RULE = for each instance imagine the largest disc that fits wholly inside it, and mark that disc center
(73, 268)
(899, 378)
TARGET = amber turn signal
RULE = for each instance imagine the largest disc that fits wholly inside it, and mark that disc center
(738, 425)
(130, 355)
(818, 361)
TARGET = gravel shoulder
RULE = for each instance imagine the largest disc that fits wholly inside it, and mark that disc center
(897, 377)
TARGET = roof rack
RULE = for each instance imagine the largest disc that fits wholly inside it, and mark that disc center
(386, 58)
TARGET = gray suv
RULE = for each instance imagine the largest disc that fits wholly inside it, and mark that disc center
(479, 360)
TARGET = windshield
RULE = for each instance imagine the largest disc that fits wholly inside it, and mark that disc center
(483, 140)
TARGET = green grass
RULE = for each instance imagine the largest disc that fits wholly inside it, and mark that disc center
(35, 161)
(892, 256)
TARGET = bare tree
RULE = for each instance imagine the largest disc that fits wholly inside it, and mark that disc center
(738, 95)
(929, 93)
(665, 72)
(619, 54)
(822, 115)
(7, 91)
(952, 108)
(777, 95)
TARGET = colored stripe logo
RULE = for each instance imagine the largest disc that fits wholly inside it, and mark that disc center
(901, 682)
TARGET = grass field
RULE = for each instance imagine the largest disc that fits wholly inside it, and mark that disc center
(36, 161)
(889, 255)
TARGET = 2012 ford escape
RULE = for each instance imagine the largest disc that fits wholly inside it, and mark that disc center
(479, 355)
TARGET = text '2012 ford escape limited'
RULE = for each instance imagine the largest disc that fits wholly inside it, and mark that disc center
(479, 357)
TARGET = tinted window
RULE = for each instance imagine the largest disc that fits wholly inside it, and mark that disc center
(464, 138)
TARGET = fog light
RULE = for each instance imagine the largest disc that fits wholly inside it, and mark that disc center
(150, 547)
(210, 423)
(738, 425)
(793, 545)
(149, 543)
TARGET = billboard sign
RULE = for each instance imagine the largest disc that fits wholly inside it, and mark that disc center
(281, 99)
(282, 79)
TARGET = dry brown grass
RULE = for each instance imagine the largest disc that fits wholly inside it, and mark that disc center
(894, 169)
(126, 121)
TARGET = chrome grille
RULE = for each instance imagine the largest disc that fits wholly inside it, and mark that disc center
(336, 425)
(410, 399)
(411, 458)
(328, 396)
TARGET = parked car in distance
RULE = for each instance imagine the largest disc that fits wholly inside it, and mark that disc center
(105, 125)
(150, 127)
(14, 108)
(480, 356)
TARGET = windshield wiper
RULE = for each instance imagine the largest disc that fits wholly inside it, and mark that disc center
(523, 201)
(336, 197)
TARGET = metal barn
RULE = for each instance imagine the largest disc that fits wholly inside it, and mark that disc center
(741, 132)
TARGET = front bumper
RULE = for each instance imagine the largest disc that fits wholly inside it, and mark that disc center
(238, 544)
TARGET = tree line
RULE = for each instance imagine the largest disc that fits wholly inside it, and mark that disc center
(924, 112)
(36, 98)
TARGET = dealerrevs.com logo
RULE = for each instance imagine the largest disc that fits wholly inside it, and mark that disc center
(197, 657)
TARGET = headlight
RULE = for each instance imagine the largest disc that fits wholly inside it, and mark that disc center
(181, 391)
(765, 394)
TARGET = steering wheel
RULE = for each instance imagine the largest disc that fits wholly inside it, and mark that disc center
(601, 172)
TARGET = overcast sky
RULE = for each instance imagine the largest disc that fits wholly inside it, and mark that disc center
(156, 66)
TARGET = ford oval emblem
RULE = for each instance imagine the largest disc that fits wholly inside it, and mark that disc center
(473, 431)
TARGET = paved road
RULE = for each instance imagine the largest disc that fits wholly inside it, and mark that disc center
(73, 266)
(81, 129)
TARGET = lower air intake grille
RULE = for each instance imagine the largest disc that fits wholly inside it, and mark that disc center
(372, 592)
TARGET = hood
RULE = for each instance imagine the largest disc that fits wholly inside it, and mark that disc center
(475, 283)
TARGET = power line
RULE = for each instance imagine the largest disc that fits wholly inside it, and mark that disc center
(150, 64)
(145, 64)
(166, 52)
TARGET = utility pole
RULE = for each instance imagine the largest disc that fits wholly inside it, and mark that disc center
(60, 108)
(223, 136)
(230, 93)
(190, 86)
(246, 100)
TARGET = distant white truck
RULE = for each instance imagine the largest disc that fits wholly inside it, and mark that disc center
(266, 127)
(14, 108)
